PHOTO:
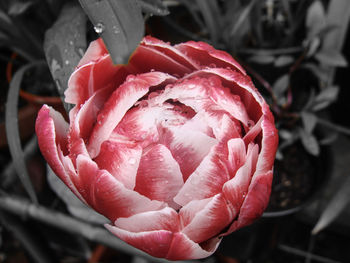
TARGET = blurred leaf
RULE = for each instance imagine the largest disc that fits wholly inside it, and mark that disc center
(120, 24)
(210, 11)
(309, 142)
(5, 19)
(335, 206)
(313, 46)
(309, 121)
(330, 138)
(242, 17)
(65, 44)
(331, 58)
(285, 134)
(325, 98)
(283, 60)
(17, 7)
(315, 18)
(262, 59)
(154, 7)
(281, 85)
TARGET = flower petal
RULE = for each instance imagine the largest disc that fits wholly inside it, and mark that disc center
(207, 222)
(159, 176)
(170, 51)
(95, 71)
(164, 219)
(165, 244)
(146, 58)
(188, 147)
(156, 243)
(206, 55)
(255, 202)
(121, 159)
(122, 99)
(107, 195)
(207, 180)
(235, 190)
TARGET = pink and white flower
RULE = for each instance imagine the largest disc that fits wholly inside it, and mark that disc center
(176, 148)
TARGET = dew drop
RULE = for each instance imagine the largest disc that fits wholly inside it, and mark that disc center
(116, 30)
(132, 161)
(224, 101)
(99, 28)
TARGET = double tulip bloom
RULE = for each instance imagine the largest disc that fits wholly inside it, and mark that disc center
(176, 148)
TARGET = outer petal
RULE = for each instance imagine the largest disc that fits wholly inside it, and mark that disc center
(255, 202)
(164, 219)
(206, 223)
(51, 130)
(107, 195)
(95, 71)
(206, 55)
(165, 244)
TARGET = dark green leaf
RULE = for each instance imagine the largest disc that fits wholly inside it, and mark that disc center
(64, 45)
(242, 17)
(153, 7)
(210, 11)
(119, 23)
(320, 72)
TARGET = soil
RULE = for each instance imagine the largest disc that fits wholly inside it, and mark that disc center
(297, 177)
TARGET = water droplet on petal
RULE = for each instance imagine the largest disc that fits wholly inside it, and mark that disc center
(99, 28)
(132, 161)
(250, 123)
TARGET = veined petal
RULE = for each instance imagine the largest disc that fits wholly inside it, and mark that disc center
(159, 176)
(207, 222)
(94, 52)
(269, 143)
(156, 243)
(206, 55)
(164, 219)
(119, 103)
(121, 159)
(145, 59)
(52, 129)
(255, 202)
(107, 195)
(95, 75)
(188, 147)
(183, 248)
(240, 85)
(207, 180)
(236, 189)
(165, 244)
(236, 155)
(170, 51)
